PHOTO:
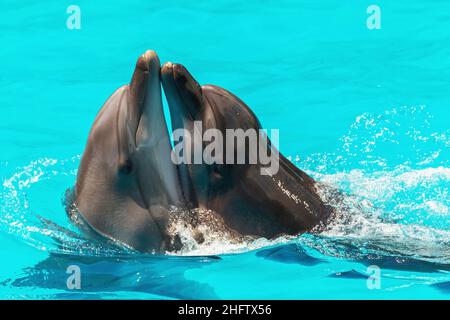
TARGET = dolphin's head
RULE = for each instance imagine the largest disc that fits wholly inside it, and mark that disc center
(233, 190)
(213, 108)
(126, 182)
(250, 199)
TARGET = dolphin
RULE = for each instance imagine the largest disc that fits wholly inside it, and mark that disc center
(126, 183)
(250, 203)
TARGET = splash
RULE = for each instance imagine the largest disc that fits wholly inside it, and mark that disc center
(394, 203)
(388, 203)
(18, 217)
(203, 232)
(398, 136)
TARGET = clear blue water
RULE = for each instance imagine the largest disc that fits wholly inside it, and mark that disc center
(365, 110)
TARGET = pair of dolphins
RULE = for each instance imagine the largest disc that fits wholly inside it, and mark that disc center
(127, 183)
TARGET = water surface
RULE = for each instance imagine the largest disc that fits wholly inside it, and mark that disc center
(363, 110)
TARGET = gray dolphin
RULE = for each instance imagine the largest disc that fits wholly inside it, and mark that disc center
(126, 183)
(249, 202)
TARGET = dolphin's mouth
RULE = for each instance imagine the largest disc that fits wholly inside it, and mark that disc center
(158, 174)
(183, 93)
(184, 97)
(145, 87)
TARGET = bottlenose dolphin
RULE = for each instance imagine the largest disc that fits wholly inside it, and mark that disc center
(126, 182)
(249, 202)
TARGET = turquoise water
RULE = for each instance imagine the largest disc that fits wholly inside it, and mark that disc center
(364, 110)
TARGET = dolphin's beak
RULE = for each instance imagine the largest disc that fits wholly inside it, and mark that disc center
(145, 85)
(183, 93)
(185, 99)
(158, 177)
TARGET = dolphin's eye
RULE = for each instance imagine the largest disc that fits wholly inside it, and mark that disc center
(126, 167)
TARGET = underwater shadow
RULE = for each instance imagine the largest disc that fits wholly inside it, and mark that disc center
(369, 254)
(160, 276)
(366, 254)
(290, 253)
(443, 287)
